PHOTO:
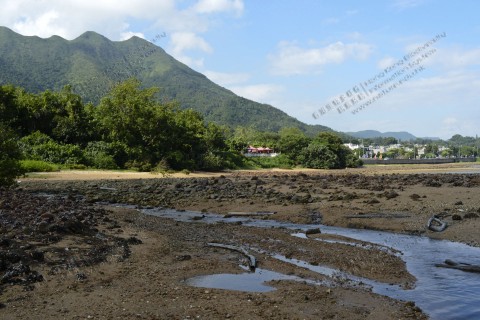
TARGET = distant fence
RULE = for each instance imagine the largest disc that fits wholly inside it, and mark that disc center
(418, 161)
(256, 155)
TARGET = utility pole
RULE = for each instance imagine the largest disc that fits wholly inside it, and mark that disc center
(476, 145)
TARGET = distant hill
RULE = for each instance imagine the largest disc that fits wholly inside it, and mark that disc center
(92, 64)
(431, 138)
(403, 136)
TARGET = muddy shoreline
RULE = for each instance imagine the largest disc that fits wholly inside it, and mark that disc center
(66, 256)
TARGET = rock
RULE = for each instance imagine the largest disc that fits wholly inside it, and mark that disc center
(184, 257)
(313, 231)
(470, 215)
(414, 196)
(432, 183)
(390, 194)
(458, 203)
(134, 241)
(457, 217)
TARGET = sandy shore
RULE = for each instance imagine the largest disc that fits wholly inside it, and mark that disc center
(367, 170)
(107, 263)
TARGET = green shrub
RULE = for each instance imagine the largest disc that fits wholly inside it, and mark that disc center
(352, 161)
(37, 166)
(104, 155)
(319, 156)
(104, 161)
(233, 160)
(280, 161)
(163, 168)
(212, 162)
(141, 166)
(39, 146)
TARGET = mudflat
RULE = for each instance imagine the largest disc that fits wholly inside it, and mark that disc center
(67, 253)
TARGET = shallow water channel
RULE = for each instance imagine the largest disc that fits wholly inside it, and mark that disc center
(441, 293)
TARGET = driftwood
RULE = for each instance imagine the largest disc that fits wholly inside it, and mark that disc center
(381, 215)
(252, 261)
(248, 214)
(459, 266)
(435, 224)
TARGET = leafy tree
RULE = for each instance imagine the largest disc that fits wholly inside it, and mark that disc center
(9, 156)
(431, 148)
(328, 152)
(72, 122)
(467, 151)
(9, 112)
(127, 113)
(446, 153)
(459, 140)
(291, 142)
(395, 153)
(319, 156)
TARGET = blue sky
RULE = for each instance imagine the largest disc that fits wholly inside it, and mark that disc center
(298, 55)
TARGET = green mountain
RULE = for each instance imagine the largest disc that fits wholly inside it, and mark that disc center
(365, 134)
(92, 64)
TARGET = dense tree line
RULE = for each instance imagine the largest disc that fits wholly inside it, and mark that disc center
(130, 129)
(325, 151)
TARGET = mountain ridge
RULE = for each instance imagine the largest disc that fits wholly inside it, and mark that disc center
(92, 64)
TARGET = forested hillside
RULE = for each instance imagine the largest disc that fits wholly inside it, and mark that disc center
(92, 65)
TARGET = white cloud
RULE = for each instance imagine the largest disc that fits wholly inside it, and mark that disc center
(452, 125)
(182, 41)
(44, 25)
(226, 79)
(291, 59)
(129, 34)
(189, 61)
(265, 93)
(453, 58)
(211, 6)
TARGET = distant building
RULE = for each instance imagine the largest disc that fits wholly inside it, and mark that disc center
(351, 146)
(260, 152)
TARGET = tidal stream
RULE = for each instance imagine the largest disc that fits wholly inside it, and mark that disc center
(441, 293)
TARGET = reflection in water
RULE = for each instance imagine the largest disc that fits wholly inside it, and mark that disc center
(442, 293)
(250, 281)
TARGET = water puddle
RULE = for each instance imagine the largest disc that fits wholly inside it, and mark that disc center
(249, 281)
(442, 293)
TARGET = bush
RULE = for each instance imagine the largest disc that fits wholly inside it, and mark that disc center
(104, 161)
(212, 162)
(318, 156)
(39, 146)
(9, 157)
(233, 160)
(104, 155)
(37, 166)
(352, 161)
(141, 166)
(280, 161)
